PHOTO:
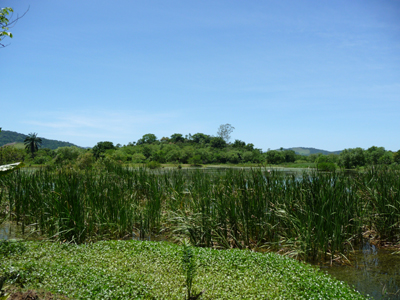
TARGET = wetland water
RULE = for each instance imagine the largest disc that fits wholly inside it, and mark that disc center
(374, 272)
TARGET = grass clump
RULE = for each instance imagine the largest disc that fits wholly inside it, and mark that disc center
(326, 166)
(150, 270)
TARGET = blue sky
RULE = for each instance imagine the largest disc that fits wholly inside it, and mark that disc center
(323, 74)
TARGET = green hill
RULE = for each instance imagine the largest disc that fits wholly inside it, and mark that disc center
(309, 151)
(12, 137)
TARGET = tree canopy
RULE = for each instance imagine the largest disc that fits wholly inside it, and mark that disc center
(224, 132)
(101, 148)
(148, 138)
(32, 143)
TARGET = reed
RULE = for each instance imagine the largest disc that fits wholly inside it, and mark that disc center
(379, 189)
(309, 216)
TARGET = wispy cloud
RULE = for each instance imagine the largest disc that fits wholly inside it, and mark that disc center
(89, 127)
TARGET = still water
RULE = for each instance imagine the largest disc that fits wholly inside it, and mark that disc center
(374, 272)
(7, 231)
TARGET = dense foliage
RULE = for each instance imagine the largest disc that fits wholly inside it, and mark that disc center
(10, 155)
(150, 270)
(196, 150)
(317, 215)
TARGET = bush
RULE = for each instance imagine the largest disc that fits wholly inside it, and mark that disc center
(247, 156)
(41, 160)
(153, 164)
(326, 166)
(218, 142)
(85, 161)
(275, 157)
(67, 155)
(117, 155)
(138, 158)
(195, 160)
(10, 155)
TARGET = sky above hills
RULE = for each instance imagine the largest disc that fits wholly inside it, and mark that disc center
(323, 74)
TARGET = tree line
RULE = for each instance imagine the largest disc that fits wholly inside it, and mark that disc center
(196, 149)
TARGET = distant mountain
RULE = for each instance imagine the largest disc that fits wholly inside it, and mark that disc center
(308, 151)
(10, 137)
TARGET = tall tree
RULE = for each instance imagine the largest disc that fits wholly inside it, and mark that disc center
(396, 157)
(218, 142)
(147, 139)
(32, 143)
(200, 138)
(224, 132)
(177, 137)
(102, 147)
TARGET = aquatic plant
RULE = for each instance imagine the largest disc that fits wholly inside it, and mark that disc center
(150, 270)
(189, 266)
(312, 216)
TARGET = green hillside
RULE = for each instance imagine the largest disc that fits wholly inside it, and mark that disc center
(309, 151)
(10, 137)
(18, 145)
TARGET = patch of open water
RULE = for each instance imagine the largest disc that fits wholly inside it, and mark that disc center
(374, 272)
(8, 231)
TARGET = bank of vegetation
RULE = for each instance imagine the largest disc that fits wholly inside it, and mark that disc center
(196, 150)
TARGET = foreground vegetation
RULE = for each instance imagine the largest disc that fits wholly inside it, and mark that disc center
(150, 270)
(320, 215)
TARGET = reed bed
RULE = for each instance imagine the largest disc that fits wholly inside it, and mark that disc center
(312, 216)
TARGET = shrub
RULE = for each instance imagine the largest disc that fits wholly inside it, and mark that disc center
(67, 155)
(41, 160)
(326, 166)
(275, 157)
(195, 160)
(233, 157)
(138, 158)
(85, 161)
(10, 154)
(153, 164)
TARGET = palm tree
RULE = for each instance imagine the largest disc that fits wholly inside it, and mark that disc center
(32, 143)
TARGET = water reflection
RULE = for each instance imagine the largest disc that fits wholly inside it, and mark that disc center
(149, 237)
(8, 231)
(374, 272)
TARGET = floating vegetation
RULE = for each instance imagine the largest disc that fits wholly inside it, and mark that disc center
(150, 270)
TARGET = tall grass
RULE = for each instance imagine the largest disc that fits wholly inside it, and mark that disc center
(312, 216)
